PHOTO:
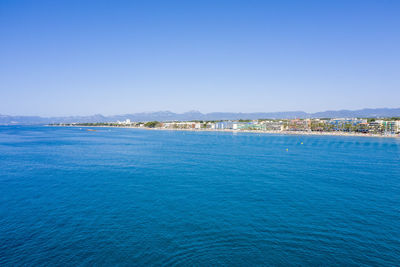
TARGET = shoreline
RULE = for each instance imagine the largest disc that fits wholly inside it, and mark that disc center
(302, 133)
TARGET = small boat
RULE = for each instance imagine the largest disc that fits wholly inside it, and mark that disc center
(91, 130)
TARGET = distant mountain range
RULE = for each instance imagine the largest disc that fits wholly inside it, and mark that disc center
(196, 115)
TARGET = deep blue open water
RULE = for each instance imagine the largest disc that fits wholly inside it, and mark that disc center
(71, 197)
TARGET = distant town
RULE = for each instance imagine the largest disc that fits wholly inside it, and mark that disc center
(344, 126)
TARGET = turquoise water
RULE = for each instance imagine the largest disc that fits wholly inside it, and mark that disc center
(72, 197)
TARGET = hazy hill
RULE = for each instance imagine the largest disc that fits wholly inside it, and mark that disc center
(196, 115)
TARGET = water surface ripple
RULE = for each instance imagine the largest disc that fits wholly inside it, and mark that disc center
(71, 197)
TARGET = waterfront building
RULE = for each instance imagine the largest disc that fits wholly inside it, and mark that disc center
(272, 125)
(298, 125)
(223, 125)
(345, 124)
(390, 126)
(375, 126)
(397, 127)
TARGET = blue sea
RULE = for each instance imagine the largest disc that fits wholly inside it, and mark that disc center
(131, 197)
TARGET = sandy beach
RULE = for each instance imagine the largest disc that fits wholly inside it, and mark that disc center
(246, 131)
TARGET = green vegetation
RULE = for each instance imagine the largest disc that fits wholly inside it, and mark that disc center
(152, 124)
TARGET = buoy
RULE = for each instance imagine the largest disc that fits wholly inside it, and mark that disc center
(301, 142)
(287, 149)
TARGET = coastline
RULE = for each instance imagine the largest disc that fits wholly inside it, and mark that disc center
(300, 133)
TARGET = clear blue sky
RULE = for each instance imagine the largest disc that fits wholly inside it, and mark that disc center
(116, 57)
